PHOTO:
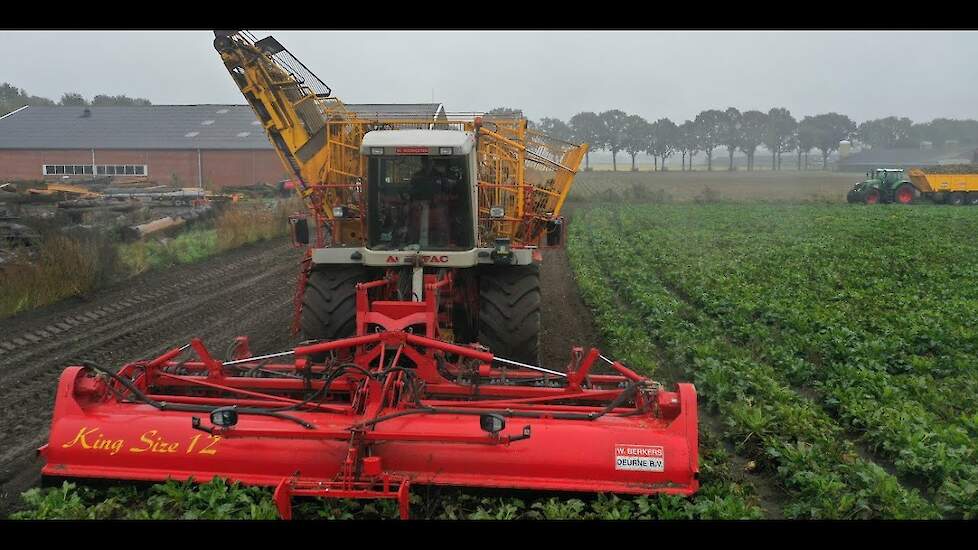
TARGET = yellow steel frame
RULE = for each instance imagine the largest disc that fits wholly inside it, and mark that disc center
(318, 140)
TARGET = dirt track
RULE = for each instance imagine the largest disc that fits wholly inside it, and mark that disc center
(243, 292)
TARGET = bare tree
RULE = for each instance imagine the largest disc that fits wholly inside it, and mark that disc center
(686, 142)
(72, 99)
(830, 129)
(780, 132)
(807, 136)
(707, 125)
(613, 133)
(753, 124)
(637, 135)
(730, 136)
(555, 127)
(665, 134)
(887, 133)
(586, 128)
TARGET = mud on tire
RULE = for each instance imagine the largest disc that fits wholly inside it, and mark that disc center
(509, 312)
(329, 304)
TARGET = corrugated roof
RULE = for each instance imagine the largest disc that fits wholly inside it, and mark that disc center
(160, 126)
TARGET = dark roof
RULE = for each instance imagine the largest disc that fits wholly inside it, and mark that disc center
(159, 126)
(881, 158)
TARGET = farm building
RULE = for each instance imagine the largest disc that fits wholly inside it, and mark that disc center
(869, 159)
(210, 146)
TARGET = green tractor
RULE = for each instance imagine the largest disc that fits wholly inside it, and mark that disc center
(883, 185)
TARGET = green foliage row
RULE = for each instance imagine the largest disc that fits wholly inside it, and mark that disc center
(768, 420)
(864, 307)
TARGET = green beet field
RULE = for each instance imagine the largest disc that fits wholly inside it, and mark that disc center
(832, 347)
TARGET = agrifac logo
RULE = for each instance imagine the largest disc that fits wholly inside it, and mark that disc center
(424, 259)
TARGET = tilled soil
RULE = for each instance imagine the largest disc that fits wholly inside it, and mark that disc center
(247, 291)
(565, 321)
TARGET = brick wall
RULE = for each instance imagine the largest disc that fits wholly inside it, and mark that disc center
(220, 168)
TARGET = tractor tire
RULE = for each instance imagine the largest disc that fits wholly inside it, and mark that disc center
(851, 197)
(956, 198)
(329, 303)
(872, 196)
(509, 312)
(904, 194)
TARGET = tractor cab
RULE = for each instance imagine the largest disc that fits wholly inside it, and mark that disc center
(421, 193)
(882, 185)
(888, 176)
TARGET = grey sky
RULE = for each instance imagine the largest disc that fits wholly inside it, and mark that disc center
(676, 74)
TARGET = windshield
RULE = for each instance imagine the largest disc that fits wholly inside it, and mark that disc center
(419, 202)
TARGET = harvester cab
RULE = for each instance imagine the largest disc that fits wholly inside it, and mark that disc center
(883, 185)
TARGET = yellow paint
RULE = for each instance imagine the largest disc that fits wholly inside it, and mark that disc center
(99, 443)
(526, 172)
(150, 441)
(929, 183)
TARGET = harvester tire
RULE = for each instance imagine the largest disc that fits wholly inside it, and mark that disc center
(329, 303)
(509, 312)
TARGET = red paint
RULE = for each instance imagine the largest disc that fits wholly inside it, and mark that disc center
(411, 150)
(647, 444)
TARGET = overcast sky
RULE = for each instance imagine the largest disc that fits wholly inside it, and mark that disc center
(864, 74)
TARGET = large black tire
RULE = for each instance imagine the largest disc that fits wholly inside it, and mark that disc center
(905, 194)
(872, 196)
(329, 304)
(509, 312)
(956, 198)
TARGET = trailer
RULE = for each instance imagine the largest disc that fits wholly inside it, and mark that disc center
(947, 185)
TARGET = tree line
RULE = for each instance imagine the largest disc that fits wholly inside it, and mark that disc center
(13, 98)
(732, 130)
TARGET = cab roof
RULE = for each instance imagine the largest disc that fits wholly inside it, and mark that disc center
(463, 142)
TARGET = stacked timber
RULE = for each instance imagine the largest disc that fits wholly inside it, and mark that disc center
(136, 232)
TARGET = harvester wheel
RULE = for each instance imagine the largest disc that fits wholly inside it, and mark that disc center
(329, 304)
(956, 198)
(509, 312)
(904, 194)
(872, 196)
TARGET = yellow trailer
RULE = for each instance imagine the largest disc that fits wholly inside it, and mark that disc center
(949, 187)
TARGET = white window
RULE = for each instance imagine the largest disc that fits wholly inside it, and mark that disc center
(100, 169)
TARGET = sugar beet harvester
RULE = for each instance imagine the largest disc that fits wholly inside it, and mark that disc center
(423, 240)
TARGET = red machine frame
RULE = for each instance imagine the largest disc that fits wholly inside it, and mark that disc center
(374, 413)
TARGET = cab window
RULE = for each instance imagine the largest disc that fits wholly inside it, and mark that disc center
(419, 201)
